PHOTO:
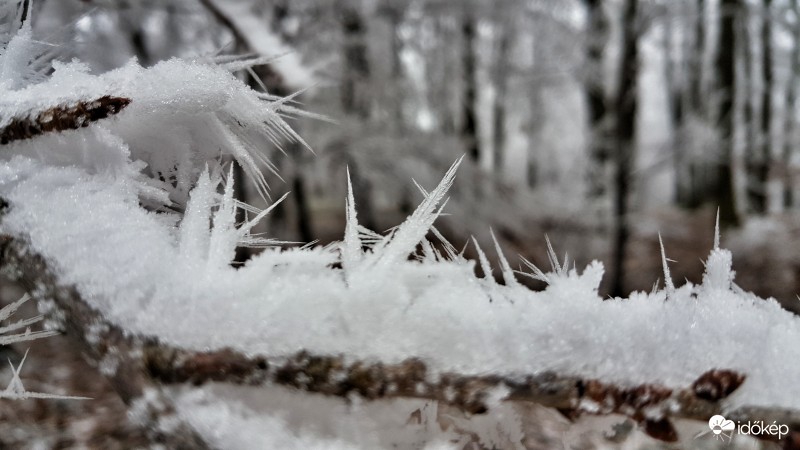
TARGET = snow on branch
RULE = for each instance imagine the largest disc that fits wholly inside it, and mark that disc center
(131, 356)
(118, 356)
(126, 358)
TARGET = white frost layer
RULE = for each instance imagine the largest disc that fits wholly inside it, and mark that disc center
(132, 265)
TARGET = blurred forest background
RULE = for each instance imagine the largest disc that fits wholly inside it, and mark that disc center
(597, 122)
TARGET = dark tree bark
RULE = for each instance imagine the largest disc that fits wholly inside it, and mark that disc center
(701, 175)
(469, 121)
(725, 64)
(443, 94)
(625, 107)
(502, 68)
(355, 98)
(789, 127)
(748, 78)
(355, 64)
(596, 39)
(696, 59)
(758, 157)
(676, 104)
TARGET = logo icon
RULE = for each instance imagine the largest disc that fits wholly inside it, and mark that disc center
(721, 427)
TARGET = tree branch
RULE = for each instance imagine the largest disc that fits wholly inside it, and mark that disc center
(143, 363)
(61, 118)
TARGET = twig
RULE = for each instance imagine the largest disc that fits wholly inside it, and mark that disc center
(62, 118)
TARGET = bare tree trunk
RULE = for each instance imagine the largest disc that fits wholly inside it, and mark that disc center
(625, 106)
(355, 99)
(725, 118)
(676, 104)
(790, 130)
(702, 174)
(757, 157)
(747, 79)
(469, 123)
(442, 92)
(395, 11)
(594, 86)
(501, 86)
(696, 59)
(355, 64)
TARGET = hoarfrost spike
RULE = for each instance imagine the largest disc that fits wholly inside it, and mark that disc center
(15, 386)
(250, 224)
(716, 232)
(413, 230)
(10, 309)
(351, 247)
(537, 274)
(485, 266)
(670, 287)
(16, 390)
(508, 273)
(449, 250)
(463, 249)
(551, 255)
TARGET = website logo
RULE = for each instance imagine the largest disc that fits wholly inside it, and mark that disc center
(723, 429)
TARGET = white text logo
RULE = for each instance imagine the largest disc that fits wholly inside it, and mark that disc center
(724, 429)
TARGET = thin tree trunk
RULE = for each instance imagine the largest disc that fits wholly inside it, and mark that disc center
(443, 98)
(676, 100)
(725, 118)
(501, 85)
(469, 123)
(702, 174)
(355, 99)
(303, 212)
(748, 90)
(765, 156)
(625, 106)
(395, 14)
(696, 61)
(356, 70)
(594, 86)
(790, 115)
(757, 157)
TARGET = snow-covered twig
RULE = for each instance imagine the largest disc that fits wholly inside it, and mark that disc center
(59, 118)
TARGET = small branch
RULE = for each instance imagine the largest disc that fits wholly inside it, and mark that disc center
(62, 118)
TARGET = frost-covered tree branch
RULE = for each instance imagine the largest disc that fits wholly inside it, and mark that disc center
(128, 226)
(137, 364)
